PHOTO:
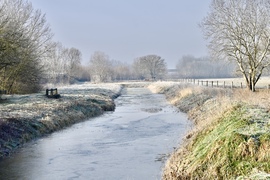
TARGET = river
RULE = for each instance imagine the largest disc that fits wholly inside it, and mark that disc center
(129, 143)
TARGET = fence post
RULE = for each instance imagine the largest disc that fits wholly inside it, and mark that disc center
(241, 85)
(217, 83)
(206, 83)
(224, 84)
(212, 82)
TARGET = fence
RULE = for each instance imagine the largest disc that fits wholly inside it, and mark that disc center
(221, 84)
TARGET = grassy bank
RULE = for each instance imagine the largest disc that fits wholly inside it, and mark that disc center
(26, 117)
(230, 138)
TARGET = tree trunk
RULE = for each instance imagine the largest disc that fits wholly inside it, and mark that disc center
(253, 81)
(253, 87)
(248, 81)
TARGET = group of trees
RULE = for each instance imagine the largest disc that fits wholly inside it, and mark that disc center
(28, 56)
(150, 67)
(24, 36)
(102, 69)
(62, 65)
(192, 67)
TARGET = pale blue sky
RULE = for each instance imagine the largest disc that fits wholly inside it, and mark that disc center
(126, 29)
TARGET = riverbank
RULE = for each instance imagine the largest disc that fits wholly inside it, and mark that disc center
(26, 117)
(230, 138)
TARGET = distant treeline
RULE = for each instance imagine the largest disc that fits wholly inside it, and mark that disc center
(204, 67)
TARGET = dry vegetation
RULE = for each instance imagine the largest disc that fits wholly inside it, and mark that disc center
(25, 117)
(230, 138)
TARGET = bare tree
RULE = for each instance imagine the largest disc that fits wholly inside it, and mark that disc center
(100, 67)
(138, 70)
(83, 74)
(55, 64)
(73, 58)
(239, 31)
(120, 70)
(150, 66)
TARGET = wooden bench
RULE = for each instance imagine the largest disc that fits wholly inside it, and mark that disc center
(52, 93)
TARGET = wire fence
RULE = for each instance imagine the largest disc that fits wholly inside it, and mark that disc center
(221, 83)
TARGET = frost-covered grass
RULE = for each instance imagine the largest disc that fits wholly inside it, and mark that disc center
(231, 136)
(24, 117)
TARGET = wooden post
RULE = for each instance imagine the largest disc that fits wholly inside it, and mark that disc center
(217, 83)
(212, 82)
(241, 85)
(206, 83)
(47, 92)
(224, 84)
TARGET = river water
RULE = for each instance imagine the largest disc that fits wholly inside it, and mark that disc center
(129, 143)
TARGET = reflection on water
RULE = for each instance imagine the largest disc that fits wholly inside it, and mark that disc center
(126, 144)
